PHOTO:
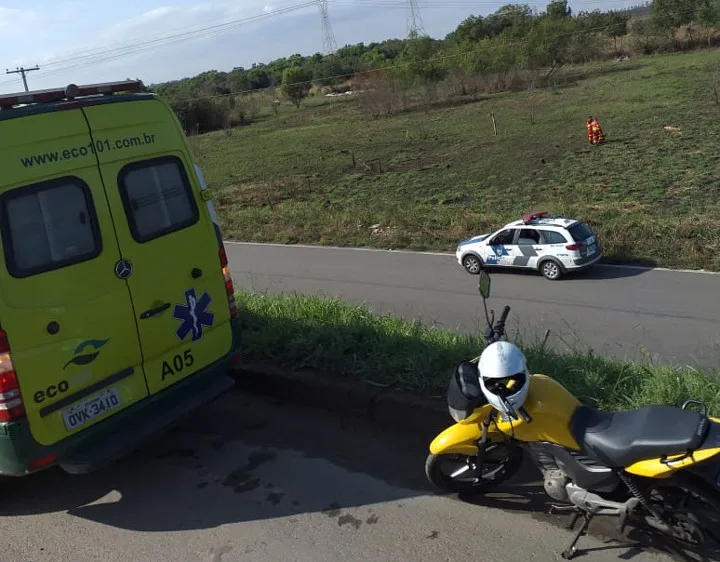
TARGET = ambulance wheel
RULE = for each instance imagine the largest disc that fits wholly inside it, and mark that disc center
(551, 270)
(472, 264)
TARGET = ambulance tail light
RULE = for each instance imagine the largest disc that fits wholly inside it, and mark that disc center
(228, 282)
(11, 403)
(574, 247)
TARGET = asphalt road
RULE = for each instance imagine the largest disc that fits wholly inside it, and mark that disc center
(627, 313)
(252, 480)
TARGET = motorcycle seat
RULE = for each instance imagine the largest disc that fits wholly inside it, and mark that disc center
(620, 439)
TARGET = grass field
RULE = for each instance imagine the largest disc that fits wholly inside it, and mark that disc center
(304, 332)
(327, 172)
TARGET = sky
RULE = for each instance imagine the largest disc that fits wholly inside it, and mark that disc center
(160, 40)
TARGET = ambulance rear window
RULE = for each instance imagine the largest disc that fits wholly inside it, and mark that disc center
(48, 225)
(157, 197)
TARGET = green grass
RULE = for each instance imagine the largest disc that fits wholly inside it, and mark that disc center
(433, 178)
(327, 335)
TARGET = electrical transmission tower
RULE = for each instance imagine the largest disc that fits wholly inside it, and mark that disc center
(414, 20)
(329, 45)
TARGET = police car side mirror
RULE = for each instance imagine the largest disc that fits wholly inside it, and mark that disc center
(484, 284)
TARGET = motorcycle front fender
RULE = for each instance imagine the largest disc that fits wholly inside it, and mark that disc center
(462, 437)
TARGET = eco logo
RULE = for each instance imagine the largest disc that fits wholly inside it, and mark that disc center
(86, 352)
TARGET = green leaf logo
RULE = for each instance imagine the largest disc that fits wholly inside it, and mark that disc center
(81, 358)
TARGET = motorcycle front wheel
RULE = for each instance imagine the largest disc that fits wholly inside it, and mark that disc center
(458, 474)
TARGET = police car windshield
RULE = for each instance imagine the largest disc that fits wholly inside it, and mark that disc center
(580, 231)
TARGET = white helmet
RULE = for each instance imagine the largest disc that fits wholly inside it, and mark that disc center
(500, 363)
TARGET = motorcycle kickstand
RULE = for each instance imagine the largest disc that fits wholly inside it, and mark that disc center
(576, 513)
(587, 516)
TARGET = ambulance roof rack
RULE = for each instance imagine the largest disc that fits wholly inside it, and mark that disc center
(70, 92)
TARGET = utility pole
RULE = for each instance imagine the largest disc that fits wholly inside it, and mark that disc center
(22, 71)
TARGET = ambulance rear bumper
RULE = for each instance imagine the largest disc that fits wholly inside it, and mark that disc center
(122, 433)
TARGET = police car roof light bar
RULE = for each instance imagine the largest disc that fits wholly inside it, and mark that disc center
(7, 101)
(527, 219)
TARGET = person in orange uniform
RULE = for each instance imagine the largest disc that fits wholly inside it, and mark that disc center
(598, 137)
(588, 125)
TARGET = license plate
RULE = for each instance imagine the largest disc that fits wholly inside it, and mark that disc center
(88, 410)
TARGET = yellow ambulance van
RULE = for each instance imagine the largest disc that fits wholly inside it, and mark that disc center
(117, 310)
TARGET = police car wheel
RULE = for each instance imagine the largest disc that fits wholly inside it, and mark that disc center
(550, 270)
(472, 264)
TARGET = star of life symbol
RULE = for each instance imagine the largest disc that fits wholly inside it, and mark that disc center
(193, 315)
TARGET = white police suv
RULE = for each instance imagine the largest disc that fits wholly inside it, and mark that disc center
(554, 245)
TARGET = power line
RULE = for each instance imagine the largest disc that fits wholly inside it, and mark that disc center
(22, 71)
(436, 59)
(81, 61)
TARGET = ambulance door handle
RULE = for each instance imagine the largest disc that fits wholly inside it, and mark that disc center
(196, 272)
(154, 311)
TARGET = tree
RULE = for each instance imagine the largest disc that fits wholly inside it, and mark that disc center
(513, 20)
(669, 15)
(708, 15)
(421, 62)
(296, 84)
(470, 30)
(558, 9)
(616, 25)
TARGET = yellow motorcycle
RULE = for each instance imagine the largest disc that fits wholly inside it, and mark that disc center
(657, 465)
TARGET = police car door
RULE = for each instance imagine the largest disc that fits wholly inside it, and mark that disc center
(500, 248)
(529, 248)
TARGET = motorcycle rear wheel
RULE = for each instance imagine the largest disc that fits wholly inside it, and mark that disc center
(694, 517)
(502, 461)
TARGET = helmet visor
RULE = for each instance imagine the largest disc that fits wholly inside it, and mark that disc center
(506, 386)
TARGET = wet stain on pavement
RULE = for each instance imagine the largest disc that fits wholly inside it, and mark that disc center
(275, 498)
(258, 458)
(247, 486)
(333, 510)
(241, 480)
(219, 552)
(372, 520)
(349, 520)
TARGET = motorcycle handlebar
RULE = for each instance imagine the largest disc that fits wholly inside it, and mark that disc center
(494, 333)
(505, 313)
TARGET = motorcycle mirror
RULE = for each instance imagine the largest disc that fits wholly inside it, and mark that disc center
(484, 284)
